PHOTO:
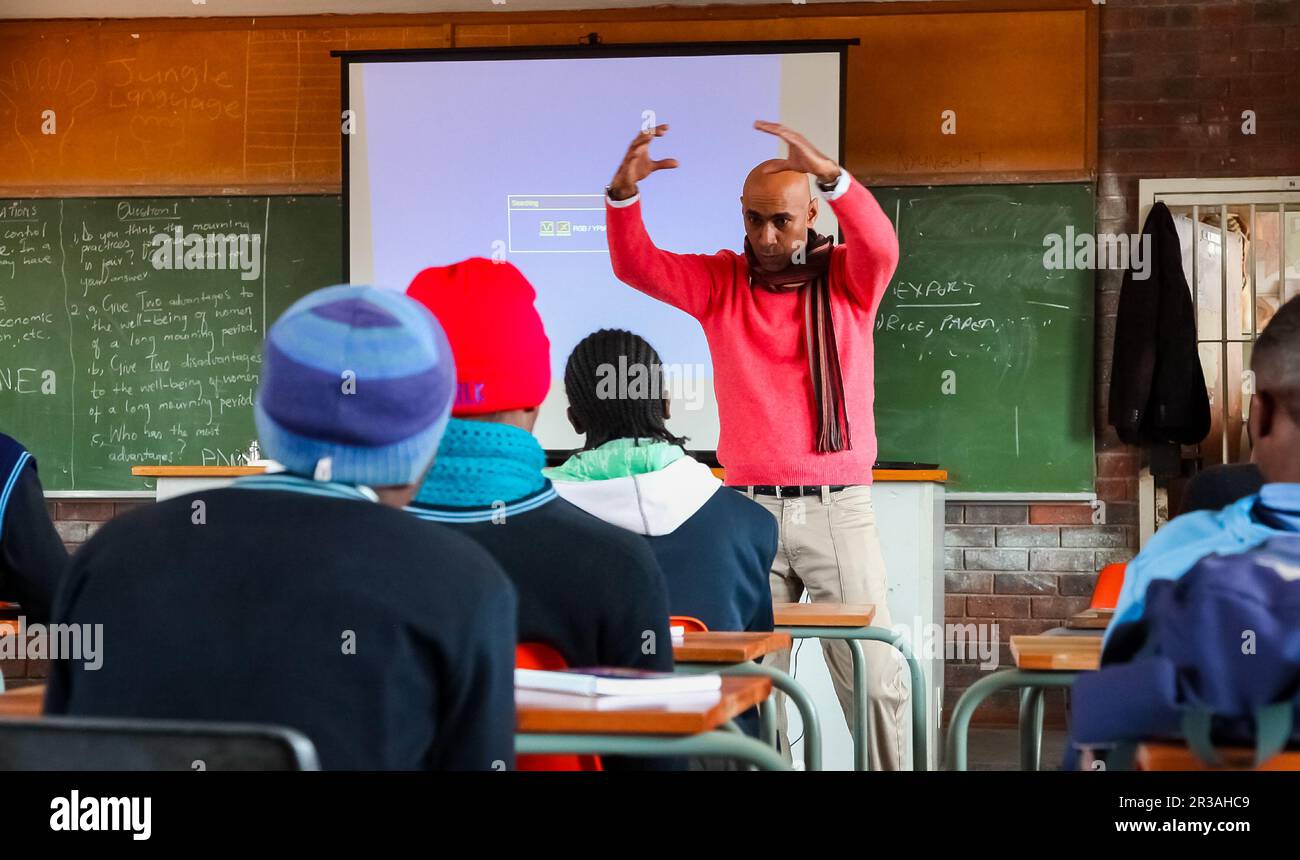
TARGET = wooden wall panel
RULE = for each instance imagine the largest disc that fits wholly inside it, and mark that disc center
(235, 105)
(142, 106)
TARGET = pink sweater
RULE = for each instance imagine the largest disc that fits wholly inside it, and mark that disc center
(756, 338)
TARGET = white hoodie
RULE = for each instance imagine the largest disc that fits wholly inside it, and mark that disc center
(654, 503)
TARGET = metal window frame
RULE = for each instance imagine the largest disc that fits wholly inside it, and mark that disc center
(1282, 192)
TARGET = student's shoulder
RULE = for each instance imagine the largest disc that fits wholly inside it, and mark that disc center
(597, 538)
(9, 443)
(1193, 527)
(737, 504)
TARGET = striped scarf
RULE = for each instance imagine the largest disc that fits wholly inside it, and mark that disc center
(831, 427)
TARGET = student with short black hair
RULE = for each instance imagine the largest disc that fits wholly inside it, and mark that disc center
(714, 545)
(32, 556)
(303, 598)
(1175, 652)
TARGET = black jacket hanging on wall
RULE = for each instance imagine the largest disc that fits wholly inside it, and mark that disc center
(1157, 388)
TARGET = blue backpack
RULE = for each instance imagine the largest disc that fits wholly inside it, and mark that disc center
(1215, 658)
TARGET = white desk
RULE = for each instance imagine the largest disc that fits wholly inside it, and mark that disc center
(180, 480)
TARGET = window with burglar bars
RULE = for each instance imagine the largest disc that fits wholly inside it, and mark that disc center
(1240, 241)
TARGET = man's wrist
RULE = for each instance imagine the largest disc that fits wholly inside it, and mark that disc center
(827, 181)
(618, 193)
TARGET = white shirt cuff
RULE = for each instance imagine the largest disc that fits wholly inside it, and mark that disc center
(841, 185)
(619, 204)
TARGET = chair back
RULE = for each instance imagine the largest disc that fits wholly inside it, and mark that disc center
(539, 655)
(92, 743)
(1105, 594)
(689, 623)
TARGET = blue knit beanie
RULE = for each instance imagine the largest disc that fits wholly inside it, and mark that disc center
(357, 385)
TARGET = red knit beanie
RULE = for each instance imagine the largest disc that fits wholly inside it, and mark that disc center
(503, 357)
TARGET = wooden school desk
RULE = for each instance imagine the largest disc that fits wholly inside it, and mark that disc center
(1042, 661)
(1091, 619)
(564, 724)
(851, 622)
(734, 653)
(23, 702)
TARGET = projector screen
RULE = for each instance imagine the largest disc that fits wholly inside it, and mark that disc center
(506, 155)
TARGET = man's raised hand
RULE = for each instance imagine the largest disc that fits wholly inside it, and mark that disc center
(803, 156)
(637, 164)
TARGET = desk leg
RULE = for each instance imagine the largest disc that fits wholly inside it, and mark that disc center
(861, 705)
(812, 727)
(855, 636)
(959, 727)
(767, 721)
(1031, 728)
(920, 737)
(716, 744)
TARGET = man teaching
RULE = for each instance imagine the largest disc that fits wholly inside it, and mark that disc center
(789, 325)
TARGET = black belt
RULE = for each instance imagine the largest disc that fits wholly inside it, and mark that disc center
(785, 491)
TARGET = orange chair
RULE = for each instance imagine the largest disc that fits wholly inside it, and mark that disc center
(688, 623)
(538, 655)
(1105, 594)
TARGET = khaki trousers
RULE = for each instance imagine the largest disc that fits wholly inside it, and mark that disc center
(829, 547)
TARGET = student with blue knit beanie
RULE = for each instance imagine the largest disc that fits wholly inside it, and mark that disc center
(306, 598)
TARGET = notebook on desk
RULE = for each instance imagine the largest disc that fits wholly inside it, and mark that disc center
(625, 683)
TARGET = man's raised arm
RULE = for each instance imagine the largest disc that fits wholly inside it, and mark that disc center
(684, 281)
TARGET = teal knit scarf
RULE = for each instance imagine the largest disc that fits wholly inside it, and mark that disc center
(481, 462)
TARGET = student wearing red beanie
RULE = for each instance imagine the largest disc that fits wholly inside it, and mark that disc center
(592, 591)
(503, 357)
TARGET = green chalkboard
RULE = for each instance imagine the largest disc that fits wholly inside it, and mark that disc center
(984, 357)
(118, 349)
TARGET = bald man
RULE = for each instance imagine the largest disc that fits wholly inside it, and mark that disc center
(789, 325)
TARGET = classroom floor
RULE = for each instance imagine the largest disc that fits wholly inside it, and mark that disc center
(999, 749)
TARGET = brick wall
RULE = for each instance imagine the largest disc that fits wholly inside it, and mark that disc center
(1175, 78)
(1026, 568)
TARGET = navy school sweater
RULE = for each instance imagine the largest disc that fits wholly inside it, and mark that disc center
(591, 591)
(32, 556)
(715, 546)
(247, 617)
